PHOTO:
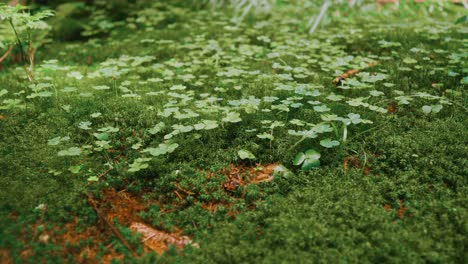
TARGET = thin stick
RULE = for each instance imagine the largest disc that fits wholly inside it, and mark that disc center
(350, 73)
(184, 190)
(23, 54)
(112, 227)
(10, 49)
(178, 194)
(18, 40)
(26, 70)
(101, 175)
(297, 143)
(105, 173)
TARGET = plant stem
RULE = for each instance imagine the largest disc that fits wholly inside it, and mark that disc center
(340, 149)
(297, 143)
(342, 145)
(271, 144)
(324, 8)
(20, 44)
(23, 55)
(6, 53)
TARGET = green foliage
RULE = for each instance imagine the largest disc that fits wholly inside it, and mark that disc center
(245, 154)
(308, 159)
(18, 26)
(153, 96)
(333, 217)
(24, 30)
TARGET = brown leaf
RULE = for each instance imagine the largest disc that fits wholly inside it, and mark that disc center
(401, 211)
(387, 207)
(392, 107)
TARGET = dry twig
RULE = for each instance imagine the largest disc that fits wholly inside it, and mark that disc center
(110, 225)
(348, 74)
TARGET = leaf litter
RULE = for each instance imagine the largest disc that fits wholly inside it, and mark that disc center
(122, 209)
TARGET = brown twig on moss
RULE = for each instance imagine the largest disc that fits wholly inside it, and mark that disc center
(348, 74)
(114, 230)
(182, 189)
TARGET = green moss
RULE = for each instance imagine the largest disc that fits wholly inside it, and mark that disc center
(408, 205)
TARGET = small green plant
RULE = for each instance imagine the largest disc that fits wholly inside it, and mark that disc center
(308, 159)
(245, 154)
(27, 32)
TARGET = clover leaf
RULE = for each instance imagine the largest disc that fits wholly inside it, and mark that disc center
(162, 149)
(329, 143)
(139, 164)
(309, 159)
(73, 151)
(93, 179)
(57, 140)
(109, 129)
(85, 125)
(75, 74)
(427, 109)
(206, 125)
(265, 136)
(321, 108)
(410, 61)
(101, 136)
(232, 117)
(157, 128)
(245, 154)
(282, 171)
(74, 169)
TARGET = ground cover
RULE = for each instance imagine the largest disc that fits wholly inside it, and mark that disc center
(180, 133)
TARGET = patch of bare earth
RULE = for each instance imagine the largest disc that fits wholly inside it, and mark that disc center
(124, 208)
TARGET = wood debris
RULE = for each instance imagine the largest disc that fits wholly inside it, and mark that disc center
(349, 74)
(159, 241)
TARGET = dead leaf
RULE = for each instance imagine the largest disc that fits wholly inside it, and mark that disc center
(387, 207)
(401, 211)
(392, 107)
(5, 256)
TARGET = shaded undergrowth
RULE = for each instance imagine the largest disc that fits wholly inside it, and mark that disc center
(93, 124)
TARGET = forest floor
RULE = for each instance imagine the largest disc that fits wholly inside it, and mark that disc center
(185, 136)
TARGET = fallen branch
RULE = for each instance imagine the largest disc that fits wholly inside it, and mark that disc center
(111, 226)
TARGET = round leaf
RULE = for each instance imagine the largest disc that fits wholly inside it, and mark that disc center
(312, 159)
(281, 171)
(427, 109)
(245, 154)
(300, 157)
(328, 143)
